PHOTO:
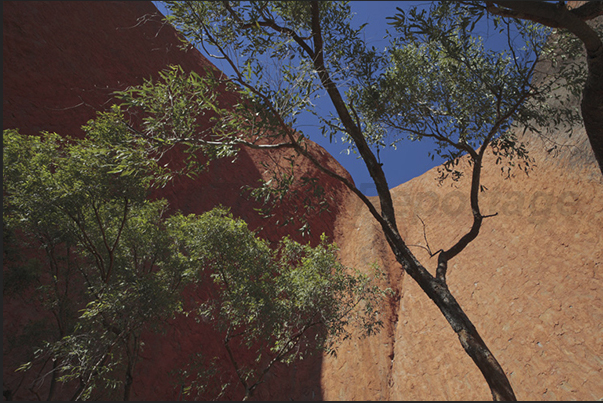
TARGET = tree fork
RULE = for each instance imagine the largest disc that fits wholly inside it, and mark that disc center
(438, 292)
(472, 343)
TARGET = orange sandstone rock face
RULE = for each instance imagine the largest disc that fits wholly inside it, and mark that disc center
(531, 283)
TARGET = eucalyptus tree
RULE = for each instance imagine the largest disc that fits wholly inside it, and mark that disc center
(279, 304)
(436, 79)
(106, 274)
(114, 267)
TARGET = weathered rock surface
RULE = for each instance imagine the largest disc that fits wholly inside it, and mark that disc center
(531, 282)
(61, 62)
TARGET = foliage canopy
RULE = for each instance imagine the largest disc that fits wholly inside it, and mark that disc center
(122, 262)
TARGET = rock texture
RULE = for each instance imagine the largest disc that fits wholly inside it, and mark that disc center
(61, 62)
(531, 282)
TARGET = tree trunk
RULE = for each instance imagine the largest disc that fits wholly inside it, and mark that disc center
(128, 386)
(53, 380)
(592, 104)
(474, 346)
(132, 356)
(470, 339)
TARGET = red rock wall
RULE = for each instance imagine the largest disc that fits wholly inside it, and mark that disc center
(61, 61)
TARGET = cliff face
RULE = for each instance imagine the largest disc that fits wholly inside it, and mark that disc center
(61, 61)
(531, 281)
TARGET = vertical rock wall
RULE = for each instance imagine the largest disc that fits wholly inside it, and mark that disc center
(61, 61)
(532, 283)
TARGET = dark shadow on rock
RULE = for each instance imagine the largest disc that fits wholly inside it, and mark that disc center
(61, 62)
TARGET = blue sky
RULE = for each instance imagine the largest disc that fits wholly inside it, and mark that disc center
(410, 159)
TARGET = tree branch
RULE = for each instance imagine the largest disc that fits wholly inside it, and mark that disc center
(100, 263)
(459, 146)
(85, 382)
(462, 243)
(589, 10)
(105, 241)
(374, 168)
(340, 106)
(427, 248)
(553, 16)
(270, 24)
(236, 142)
(284, 351)
(118, 236)
(235, 364)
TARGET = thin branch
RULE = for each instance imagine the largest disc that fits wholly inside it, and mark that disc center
(234, 363)
(270, 24)
(100, 263)
(440, 137)
(236, 142)
(338, 101)
(118, 236)
(334, 127)
(511, 47)
(105, 241)
(427, 248)
(85, 382)
(284, 351)
(466, 239)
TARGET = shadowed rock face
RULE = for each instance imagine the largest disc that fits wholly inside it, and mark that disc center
(531, 282)
(61, 61)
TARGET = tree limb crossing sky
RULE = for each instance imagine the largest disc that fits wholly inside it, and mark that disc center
(410, 159)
